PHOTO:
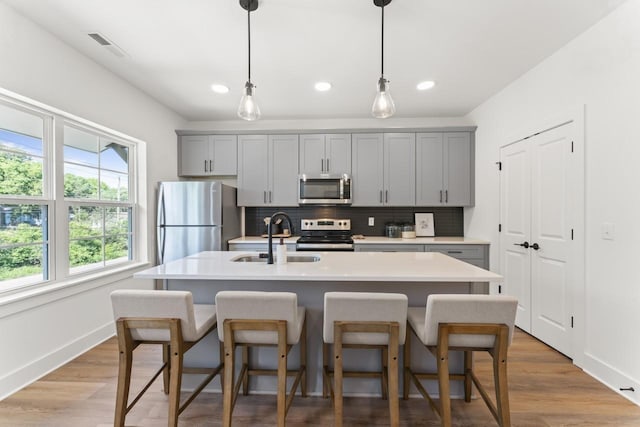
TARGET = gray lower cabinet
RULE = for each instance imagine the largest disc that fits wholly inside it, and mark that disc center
(383, 167)
(444, 169)
(268, 170)
(325, 154)
(389, 247)
(259, 247)
(477, 255)
(207, 155)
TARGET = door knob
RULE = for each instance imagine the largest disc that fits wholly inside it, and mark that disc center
(524, 245)
(535, 246)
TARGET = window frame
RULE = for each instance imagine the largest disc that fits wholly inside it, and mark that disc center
(58, 239)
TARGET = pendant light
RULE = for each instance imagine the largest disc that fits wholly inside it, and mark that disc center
(383, 105)
(248, 108)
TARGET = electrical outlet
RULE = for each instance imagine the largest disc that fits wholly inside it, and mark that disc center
(372, 221)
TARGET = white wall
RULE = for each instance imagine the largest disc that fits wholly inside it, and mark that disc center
(600, 69)
(41, 333)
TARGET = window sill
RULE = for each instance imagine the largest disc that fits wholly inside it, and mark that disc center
(34, 296)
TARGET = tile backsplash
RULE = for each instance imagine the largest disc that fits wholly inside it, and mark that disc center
(447, 221)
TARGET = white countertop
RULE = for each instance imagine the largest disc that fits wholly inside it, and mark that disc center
(333, 266)
(379, 240)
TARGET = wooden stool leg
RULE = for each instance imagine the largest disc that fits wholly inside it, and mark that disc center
(227, 395)
(245, 363)
(166, 371)
(384, 353)
(175, 381)
(443, 380)
(337, 376)
(406, 379)
(124, 380)
(282, 373)
(221, 375)
(392, 367)
(502, 393)
(468, 368)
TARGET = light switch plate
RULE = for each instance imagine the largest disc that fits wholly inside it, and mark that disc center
(371, 221)
(608, 231)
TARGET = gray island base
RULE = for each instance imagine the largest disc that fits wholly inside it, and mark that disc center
(415, 274)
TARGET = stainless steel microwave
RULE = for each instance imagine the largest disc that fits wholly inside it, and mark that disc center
(324, 189)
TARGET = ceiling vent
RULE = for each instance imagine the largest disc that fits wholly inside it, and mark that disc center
(107, 44)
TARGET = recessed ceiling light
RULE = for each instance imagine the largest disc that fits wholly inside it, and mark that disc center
(323, 86)
(217, 88)
(426, 85)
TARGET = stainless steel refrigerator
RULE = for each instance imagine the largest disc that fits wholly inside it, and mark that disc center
(195, 216)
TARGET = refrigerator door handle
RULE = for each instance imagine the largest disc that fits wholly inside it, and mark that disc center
(161, 244)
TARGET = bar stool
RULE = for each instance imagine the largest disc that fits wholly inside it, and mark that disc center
(363, 320)
(169, 318)
(254, 319)
(467, 323)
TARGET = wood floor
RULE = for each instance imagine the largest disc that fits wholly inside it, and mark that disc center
(545, 390)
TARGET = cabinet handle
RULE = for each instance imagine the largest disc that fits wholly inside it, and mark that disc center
(380, 196)
(210, 165)
(446, 196)
(321, 165)
(454, 252)
(327, 165)
(440, 196)
(270, 196)
(205, 166)
(386, 196)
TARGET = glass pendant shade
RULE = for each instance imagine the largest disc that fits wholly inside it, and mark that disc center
(248, 108)
(383, 105)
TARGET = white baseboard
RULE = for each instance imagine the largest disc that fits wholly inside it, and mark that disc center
(612, 377)
(27, 374)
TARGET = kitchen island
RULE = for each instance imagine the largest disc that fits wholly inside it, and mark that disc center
(416, 274)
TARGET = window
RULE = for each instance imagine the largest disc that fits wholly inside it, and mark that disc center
(84, 194)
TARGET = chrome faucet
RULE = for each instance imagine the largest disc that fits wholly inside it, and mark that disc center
(270, 233)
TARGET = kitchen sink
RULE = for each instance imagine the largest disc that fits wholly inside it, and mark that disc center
(290, 258)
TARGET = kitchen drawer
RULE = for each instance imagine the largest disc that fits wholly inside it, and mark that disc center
(259, 247)
(459, 251)
(389, 248)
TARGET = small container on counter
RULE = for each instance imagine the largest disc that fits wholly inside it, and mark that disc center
(393, 231)
(281, 252)
(408, 231)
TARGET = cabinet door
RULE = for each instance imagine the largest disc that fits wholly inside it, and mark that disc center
(312, 156)
(194, 155)
(399, 169)
(224, 155)
(458, 172)
(429, 169)
(283, 161)
(368, 169)
(338, 154)
(253, 175)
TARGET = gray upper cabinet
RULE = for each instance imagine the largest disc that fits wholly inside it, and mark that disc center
(325, 154)
(267, 170)
(207, 155)
(444, 169)
(383, 169)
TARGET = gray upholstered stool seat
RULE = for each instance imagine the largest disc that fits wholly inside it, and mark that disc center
(169, 318)
(467, 323)
(251, 319)
(363, 320)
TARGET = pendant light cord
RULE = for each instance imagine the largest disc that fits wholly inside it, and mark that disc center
(382, 44)
(249, 34)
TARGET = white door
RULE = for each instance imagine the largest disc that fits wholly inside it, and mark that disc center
(551, 238)
(536, 249)
(515, 219)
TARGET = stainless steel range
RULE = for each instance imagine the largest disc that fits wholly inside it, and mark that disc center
(325, 235)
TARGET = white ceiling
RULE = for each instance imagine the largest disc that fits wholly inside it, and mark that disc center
(177, 48)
